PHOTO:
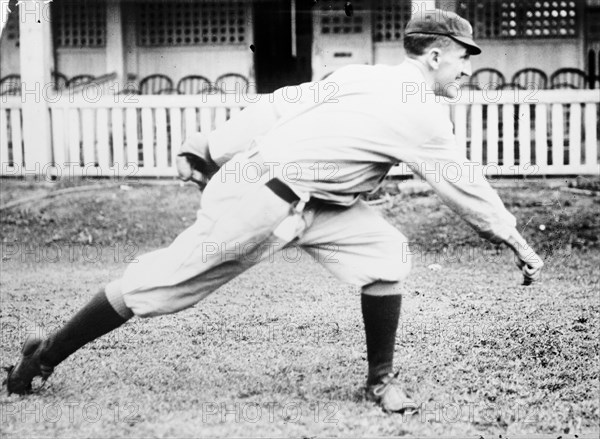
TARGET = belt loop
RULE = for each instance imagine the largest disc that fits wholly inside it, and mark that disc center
(300, 205)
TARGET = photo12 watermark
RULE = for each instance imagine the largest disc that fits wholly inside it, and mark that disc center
(255, 170)
(68, 412)
(467, 412)
(272, 412)
(69, 252)
(50, 172)
(257, 251)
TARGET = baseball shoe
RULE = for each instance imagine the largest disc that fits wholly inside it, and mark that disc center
(388, 394)
(20, 376)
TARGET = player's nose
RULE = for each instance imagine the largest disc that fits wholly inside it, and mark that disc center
(466, 69)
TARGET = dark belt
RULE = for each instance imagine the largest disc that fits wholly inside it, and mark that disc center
(282, 190)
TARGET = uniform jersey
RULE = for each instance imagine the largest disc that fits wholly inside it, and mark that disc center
(345, 145)
(337, 138)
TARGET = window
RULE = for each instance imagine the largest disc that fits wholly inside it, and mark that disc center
(389, 19)
(521, 18)
(192, 23)
(79, 24)
(335, 21)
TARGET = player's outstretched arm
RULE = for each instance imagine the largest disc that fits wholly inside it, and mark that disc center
(462, 186)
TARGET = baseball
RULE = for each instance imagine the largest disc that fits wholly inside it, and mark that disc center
(542, 227)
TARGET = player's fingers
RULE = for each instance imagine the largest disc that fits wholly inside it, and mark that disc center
(532, 271)
(199, 178)
(184, 168)
(531, 275)
(533, 260)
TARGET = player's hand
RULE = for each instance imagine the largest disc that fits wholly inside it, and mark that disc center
(194, 162)
(190, 167)
(532, 275)
(530, 265)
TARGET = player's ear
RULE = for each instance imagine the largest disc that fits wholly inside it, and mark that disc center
(432, 57)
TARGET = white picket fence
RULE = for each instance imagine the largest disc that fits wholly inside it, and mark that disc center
(530, 132)
(516, 133)
(119, 135)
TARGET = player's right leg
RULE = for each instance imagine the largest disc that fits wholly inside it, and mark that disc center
(39, 357)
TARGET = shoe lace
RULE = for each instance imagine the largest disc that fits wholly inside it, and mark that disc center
(388, 380)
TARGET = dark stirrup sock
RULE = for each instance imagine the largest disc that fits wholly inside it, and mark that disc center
(380, 315)
(95, 319)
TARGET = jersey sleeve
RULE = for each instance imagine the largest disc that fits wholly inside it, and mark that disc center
(462, 186)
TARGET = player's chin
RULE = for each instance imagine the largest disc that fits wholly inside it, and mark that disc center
(450, 90)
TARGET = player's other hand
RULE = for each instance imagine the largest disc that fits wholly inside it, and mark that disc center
(190, 168)
(194, 162)
(530, 264)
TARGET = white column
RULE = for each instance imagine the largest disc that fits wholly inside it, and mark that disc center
(36, 64)
(115, 47)
(4, 12)
(421, 6)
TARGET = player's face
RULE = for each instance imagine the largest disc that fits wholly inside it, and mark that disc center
(453, 65)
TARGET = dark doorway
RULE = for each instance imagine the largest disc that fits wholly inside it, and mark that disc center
(275, 63)
(592, 42)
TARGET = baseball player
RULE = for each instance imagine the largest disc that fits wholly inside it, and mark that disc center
(288, 170)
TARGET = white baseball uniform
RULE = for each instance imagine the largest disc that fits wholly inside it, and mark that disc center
(328, 141)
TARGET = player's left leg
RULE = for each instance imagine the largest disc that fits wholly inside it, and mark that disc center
(380, 305)
(359, 247)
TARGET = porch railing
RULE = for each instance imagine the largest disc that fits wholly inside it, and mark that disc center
(516, 133)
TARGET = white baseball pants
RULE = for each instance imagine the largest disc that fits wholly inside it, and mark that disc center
(234, 231)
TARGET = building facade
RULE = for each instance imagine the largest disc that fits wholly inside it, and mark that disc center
(280, 42)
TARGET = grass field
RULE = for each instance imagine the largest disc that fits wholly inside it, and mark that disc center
(279, 351)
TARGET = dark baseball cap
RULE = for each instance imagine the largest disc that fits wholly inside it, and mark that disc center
(441, 22)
